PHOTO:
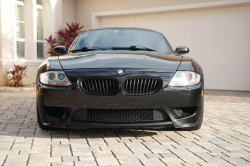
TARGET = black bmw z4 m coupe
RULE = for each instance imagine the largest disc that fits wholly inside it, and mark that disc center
(120, 78)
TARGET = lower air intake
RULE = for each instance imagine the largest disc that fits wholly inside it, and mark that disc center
(120, 115)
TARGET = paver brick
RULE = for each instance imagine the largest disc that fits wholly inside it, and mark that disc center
(39, 164)
(152, 161)
(45, 160)
(130, 162)
(86, 158)
(63, 164)
(17, 158)
(85, 163)
(107, 161)
(68, 159)
(61, 153)
(21, 163)
(131, 156)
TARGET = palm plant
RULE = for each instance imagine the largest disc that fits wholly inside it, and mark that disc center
(16, 75)
(52, 43)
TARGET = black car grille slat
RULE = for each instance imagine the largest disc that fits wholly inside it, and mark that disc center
(106, 82)
(144, 88)
(103, 86)
(141, 86)
(115, 87)
(92, 86)
(148, 88)
(134, 86)
(120, 115)
(153, 85)
(99, 86)
(137, 88)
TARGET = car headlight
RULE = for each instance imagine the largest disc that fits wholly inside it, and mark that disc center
(54, 78)
(185, 78)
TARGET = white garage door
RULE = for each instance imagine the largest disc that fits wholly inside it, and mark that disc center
(218, 38)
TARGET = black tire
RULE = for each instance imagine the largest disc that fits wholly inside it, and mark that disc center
(197, 127)
(43, 127)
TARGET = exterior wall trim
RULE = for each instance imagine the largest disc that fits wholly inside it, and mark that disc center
(20, 61)
(96, 16)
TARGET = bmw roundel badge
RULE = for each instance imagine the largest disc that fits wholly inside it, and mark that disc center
(120, 72)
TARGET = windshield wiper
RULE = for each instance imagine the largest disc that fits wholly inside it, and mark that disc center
(85, 49)
(133, 48)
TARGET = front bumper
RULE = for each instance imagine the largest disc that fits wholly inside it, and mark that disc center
(70, 99)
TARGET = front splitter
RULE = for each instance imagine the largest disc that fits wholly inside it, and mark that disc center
(85, 125)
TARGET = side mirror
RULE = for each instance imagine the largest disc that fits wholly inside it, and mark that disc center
(60, 50)
(181, 50)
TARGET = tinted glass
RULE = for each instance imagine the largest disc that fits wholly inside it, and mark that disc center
(40, 24)
(20, 49)
(39, 50)
(109, 38)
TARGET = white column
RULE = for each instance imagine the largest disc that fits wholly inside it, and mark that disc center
(7, 16)
(30, 29)
(49, 29)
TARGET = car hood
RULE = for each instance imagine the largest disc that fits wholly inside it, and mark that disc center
(142, 60)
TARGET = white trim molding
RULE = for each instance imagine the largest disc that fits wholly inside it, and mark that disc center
(96, 21)
(20, 61)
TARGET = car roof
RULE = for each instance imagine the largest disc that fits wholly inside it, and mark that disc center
(121, 28)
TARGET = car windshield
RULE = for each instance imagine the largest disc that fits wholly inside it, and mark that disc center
(120, 38)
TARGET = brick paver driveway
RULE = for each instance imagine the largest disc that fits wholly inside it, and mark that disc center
(224, 138)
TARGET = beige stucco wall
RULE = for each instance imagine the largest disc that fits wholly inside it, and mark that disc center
(63, 12)
(85, 8)
(68, 11)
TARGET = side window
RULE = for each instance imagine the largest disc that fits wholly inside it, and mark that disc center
(40, 28)
(20, 28)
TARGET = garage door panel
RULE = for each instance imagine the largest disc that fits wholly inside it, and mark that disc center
(158, 25)
(242, 48)
(223, 21)
(198, 49)
(200, 22)
(241, 76)
(220, 49)
(220, 76)
(109, 21)
(180, 25)
(242, 20)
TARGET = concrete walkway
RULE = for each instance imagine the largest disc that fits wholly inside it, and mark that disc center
(224, 138)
